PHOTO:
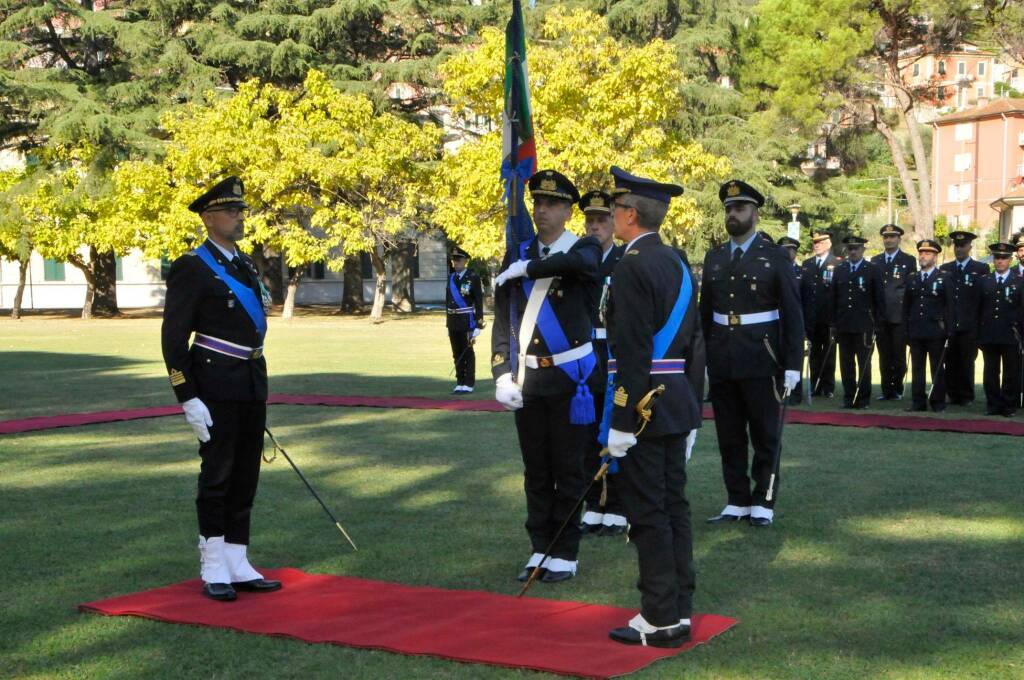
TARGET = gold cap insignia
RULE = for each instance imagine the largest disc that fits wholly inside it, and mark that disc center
(732, 190)
(597, 202)
(548, 185)
(497, 360)
(633, 252)
(237, 189)
(621, 396)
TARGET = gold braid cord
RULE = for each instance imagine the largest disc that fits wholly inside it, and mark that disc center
(645, 407)
(273, 455)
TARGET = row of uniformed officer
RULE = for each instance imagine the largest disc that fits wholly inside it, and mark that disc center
(896, 268)
(816, 293)
(927, 316)
(965, 276)
(999, 336)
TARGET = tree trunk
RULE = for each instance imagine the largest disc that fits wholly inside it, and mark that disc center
(22, 278)
(921, 230)
(293, 288)
(104, 283)
(380, 291)
(269, 267)
(352, 287)
(925, 220)
(403, 263)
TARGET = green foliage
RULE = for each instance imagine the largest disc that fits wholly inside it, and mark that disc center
(596, 102)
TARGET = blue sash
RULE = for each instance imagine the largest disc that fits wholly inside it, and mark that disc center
(460, 301)
(662, 340)
(252, 305)
(581, 409)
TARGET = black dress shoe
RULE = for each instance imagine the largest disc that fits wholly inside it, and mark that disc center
(219, 591)
(1008, 413)
(993, 412)
(556, 576)
(915, 409)
(671, 637)
(760, 522)
(591, 529)
(525, 574)
(829, 395)
(939, 408)
(883, 397)
(612, 530)
(726, 519)
(258, 585)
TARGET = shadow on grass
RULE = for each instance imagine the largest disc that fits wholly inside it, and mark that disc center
(891, 551)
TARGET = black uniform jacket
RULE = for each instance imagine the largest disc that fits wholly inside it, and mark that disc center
(1000, 310)
(927, 306)
(644, 290)
(966, 286)
(570, 295)
(472, 292)
(857, 298)
(894, 283)
(762, 281)
(817, 290)
(604, 273)
(199, 301)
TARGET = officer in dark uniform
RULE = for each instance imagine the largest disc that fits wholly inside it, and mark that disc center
(607, 519)
(551, 385)
(818, 272)
(890, 335)
(1018, 243)
(750, 307)
(999, 333)
(655, 337)
(857, 302)
(965, 276)
(790, 246)
(464, 298)
(927, 316)
(221, 382)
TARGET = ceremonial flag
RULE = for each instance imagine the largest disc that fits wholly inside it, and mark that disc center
(519, 158)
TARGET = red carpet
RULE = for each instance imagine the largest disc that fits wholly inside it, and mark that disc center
(799, 417)
(569, 638)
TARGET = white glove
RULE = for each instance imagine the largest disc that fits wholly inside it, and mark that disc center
(790, 380)
(198, 416)
(514, 271)
(691, 439)
(619, 442)
(476, 332)
(508, 394)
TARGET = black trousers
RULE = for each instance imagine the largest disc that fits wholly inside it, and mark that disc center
(1002, 377)
(553, 452)
(892, 357)
(652, 480)
(855, 364)
(741, 406)
(230, 470)
(960, 358)
(464, 356)
(932, 349)
(591, 463)
(819, 350)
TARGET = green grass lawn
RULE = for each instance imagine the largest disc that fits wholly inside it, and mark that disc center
(895, 555)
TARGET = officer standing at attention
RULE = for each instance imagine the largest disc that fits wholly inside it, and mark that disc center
(465, 301)
(1018, 243)
(965, 276)
(790, 246)
(999, 333)
(857, 303)
(751, 309)
(890, 335)
(927, 304)
(655, 337)
(608, 519)
(556, 370)
(221, 382)
(818, 272)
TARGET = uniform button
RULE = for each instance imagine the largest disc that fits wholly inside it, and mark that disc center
(731, 295)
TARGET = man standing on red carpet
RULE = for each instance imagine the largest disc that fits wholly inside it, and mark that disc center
(221, 381)
(654, 339)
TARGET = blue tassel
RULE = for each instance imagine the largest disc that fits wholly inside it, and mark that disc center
(613, 468)
(581, 411)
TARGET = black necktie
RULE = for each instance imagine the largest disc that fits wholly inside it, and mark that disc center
(545, 250)
(737, 253)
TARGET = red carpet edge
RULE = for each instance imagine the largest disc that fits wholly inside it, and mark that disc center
(796, 417)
